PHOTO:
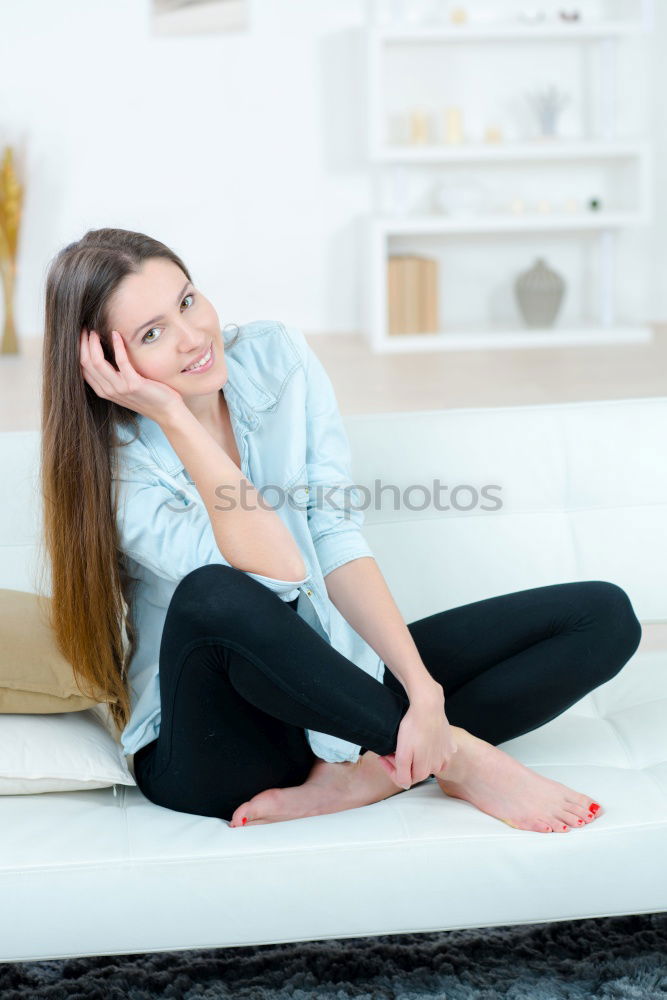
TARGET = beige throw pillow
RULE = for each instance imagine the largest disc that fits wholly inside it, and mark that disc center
(34, 675)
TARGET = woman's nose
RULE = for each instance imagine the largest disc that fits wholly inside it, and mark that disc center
(190, 340)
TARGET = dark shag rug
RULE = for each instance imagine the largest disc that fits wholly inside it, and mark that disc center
(615, 958)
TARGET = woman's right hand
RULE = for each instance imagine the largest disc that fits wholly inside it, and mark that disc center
(425, 742)
(126, 386)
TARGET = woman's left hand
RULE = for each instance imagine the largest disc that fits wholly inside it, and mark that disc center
(425, 743)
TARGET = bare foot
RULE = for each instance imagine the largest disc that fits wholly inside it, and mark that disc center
(503, 787)
(329, 788)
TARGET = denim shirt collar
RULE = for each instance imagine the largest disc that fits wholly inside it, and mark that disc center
(245, 398)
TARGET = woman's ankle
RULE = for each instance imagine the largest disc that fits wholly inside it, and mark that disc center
(459, 764)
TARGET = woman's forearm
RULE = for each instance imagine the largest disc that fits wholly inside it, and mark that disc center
(251, 536)
(359, 591)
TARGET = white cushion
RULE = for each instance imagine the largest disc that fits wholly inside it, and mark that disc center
(132, 876)
(60, 752)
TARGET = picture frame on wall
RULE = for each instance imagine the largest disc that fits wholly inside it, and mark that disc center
(196, 17)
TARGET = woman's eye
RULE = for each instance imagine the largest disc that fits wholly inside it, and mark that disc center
(190, 295)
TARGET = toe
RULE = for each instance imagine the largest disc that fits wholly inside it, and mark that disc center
(557, 825)
(584, 801)
(576, 809)
(592, 806)
(581, 807)
(243, 810)
(571, 818)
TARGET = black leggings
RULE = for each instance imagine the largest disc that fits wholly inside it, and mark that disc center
(242, 676)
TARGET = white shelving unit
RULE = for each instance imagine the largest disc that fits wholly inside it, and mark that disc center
(393, 162)
(512, 152)
(513, 32)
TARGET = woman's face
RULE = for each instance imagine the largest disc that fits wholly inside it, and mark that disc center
(166, 325)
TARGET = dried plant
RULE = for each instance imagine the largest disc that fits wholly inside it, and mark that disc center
(548, 105)
(11, 203)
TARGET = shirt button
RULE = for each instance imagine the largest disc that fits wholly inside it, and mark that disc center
(309, 592)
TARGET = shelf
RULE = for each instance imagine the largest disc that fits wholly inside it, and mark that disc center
(508, 152)
(441, 224)
(506, 31)
(490, 339)
(392, 227)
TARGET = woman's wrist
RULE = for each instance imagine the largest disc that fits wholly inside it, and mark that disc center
(173, 416)
(426, 692)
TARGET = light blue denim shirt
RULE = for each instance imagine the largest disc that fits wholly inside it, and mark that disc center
(289, 434)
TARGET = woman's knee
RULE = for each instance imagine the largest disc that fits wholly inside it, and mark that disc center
(614, 609)
(209, 577)
(216, 590)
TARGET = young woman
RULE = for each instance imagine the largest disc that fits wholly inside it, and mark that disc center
(267, 672)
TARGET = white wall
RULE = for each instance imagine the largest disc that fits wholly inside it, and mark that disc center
(245, 152)
(242, 151)
(657, 265)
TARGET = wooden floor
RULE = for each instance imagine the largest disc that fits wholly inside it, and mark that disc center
(382, 383)
(368, 383)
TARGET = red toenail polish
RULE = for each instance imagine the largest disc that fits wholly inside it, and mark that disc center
(565, 828)
(244, 820)
(595, 807)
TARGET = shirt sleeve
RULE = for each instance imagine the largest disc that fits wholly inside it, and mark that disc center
(165, 527)
(335, 504)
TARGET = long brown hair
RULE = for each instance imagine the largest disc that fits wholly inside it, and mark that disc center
(91, 590)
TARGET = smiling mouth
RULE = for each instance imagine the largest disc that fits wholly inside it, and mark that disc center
(209, 350)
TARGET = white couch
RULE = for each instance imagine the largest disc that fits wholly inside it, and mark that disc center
(584, 490)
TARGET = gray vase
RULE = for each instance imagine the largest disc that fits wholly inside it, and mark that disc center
(539, 293)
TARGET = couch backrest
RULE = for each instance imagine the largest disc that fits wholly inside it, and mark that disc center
(537, 495)
(583, 489)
